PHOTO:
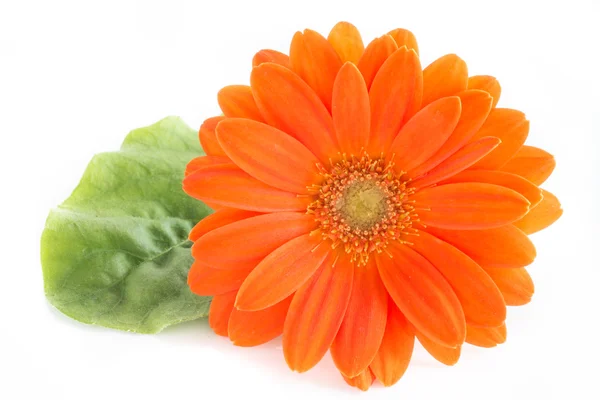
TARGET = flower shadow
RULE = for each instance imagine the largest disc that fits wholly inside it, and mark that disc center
(196, 337)
(268, 358)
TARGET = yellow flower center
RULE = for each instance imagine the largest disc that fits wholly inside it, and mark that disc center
(363, 205)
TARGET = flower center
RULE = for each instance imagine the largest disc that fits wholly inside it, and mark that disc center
(363, 205)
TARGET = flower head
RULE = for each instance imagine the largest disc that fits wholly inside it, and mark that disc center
(361, 202)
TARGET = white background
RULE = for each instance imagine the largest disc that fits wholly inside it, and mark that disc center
(76, 76)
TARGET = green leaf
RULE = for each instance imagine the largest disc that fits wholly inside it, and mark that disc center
(116, 253)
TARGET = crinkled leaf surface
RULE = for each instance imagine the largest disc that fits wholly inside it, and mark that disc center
(116, 253)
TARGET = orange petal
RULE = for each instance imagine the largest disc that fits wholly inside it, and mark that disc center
(488, 84)
(508, 125)
(362, 381)
(422, 294)
(515, 284)
(346, 41)
(271, 56)
(542, 216)
(205, 161)
(221, 306)
(445, 355)
(374, 56)
(208, 137)
(506, 246)
(206, 281)
(446, 76)
(316, 314)
(486, 337)
(236, 101)
(475, 107)
(395, 95)
(351, 112)
(404, 37)
(520, 185)
(289, 104)
(531, 163)
(229, 186)
(469, 205)
(425, 133)
(316, 62)
(361, 332)
(218, 219)
(245, 243)
(457, 162)
(479, 297)
(282, 272)
(395, 352)
(252, 328)
(215, 207)
(268, 154)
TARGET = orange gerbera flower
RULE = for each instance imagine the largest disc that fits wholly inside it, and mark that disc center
(362, 201)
